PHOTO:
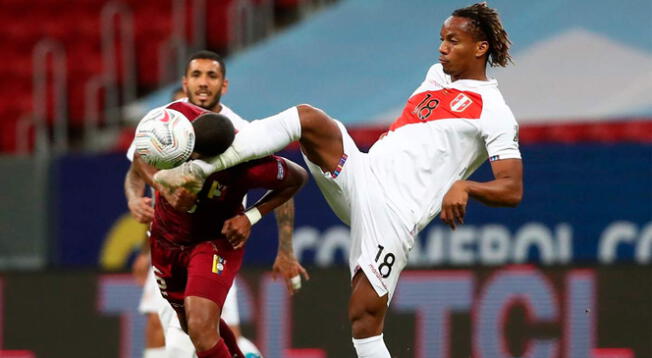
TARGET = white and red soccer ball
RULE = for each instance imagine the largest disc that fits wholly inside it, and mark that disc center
(164, 138)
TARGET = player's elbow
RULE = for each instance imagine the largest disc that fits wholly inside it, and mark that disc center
(297, 177)
(515, 197)
(301, 176)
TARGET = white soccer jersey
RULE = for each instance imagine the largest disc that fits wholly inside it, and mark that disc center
(446, 131)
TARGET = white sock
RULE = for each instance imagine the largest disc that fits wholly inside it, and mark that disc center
(260, 138)
(372, 347)
(155, 353)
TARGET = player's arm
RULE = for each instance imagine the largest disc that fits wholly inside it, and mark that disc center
(141, 209)
(238, 228)
(139, 205)
(286, 264)
(181, 199)
(505, 190)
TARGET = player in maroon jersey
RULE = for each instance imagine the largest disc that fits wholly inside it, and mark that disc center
(197, 240)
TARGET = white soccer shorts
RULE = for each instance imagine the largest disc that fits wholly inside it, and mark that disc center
(151, 299)
(380, 242)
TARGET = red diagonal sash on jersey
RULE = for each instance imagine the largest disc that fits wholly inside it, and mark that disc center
(441, 104)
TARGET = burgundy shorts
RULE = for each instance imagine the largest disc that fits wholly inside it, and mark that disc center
(206, 269)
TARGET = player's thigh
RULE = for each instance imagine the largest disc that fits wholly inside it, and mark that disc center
(212, 268)
(337, 186)
(170, 272)
(321, 138)
(230, 313)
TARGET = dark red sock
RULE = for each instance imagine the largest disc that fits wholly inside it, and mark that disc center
(229, 338)
(219, 350)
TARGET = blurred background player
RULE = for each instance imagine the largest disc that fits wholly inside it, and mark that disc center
(454, 121)
(151, 302)
(205, 80)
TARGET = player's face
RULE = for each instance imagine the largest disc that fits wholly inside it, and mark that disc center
(204, 83)
(459, 50)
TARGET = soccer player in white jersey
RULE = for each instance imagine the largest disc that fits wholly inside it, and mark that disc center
(452, 123)
(204, 82)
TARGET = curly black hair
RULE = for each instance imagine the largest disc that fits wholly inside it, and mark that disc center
(487, 27)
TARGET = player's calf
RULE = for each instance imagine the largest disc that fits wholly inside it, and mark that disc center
(366, 309)
(367, 316)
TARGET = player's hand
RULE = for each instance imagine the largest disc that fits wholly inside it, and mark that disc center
(453, 208)
(141, 209)
(186, 175)
(237, 230)
(181, 199)
(140, 267)
(287, 266)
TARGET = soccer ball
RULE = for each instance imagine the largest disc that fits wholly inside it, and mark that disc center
(164, 138)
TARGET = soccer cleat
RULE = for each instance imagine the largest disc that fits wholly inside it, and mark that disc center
(187, 175)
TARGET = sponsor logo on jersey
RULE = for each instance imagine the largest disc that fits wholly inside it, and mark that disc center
(460, 103)
(218, 264)
(378, 275)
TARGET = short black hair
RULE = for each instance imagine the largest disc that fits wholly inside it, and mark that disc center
(214, 133)
(488, 27)
(206, 55)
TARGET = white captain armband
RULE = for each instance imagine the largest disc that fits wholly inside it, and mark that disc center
(253, 215)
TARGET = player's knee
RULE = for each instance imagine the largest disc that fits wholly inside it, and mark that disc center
(310, 116)
(201, 329)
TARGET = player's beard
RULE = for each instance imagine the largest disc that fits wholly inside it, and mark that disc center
(210, 105)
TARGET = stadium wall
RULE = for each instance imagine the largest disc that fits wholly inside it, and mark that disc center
(507, 312)
(583, 203)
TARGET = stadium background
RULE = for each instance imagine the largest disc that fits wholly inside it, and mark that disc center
(565, 275)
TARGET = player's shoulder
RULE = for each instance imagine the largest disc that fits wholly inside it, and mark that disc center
(186, 108)
(495, 109)
(266, 165)
(436, 74)
(238, 122)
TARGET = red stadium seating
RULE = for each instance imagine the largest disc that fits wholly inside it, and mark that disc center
(77, 27)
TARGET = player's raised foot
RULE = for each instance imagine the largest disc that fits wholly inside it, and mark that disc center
(188, 175)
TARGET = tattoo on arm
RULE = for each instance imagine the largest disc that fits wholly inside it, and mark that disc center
(285, 221)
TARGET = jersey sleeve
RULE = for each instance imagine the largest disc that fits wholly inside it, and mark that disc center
(131, 151)
(266, 173)
(500, 134)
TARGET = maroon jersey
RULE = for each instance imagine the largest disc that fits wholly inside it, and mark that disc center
(188, 109)
(220, 199)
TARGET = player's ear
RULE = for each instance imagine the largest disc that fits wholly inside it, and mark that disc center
(225, 86)
(482, 47)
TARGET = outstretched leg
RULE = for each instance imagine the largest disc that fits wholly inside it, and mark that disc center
(367, 315)
(318, 134)
(321, 138)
